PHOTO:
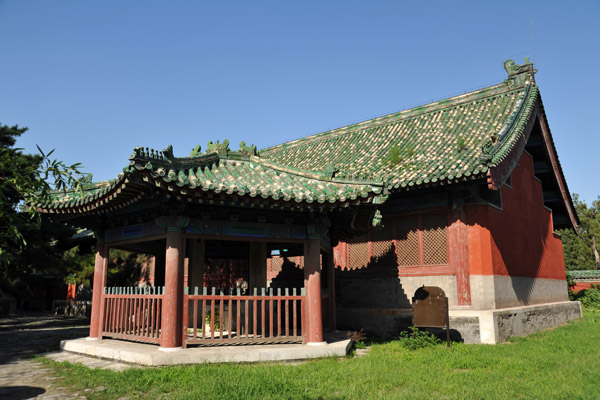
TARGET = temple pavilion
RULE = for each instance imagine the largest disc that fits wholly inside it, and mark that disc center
(339, 229)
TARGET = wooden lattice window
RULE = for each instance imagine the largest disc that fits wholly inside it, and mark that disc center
(358, 252)
(435, 240)
(383, 242)
(276, 263)
(422, 240)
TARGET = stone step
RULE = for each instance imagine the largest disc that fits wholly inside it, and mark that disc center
(90, 362)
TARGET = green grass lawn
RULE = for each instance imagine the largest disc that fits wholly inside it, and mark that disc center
(560, 364)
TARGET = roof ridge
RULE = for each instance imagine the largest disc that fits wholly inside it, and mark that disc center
(446, 103)
(493, 154)
(320, 176)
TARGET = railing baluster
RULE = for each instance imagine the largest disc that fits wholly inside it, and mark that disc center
(287, 313)
(238, 328)
(113, 320)
(136, 309)
(107, 314)
(247, 324)
(278, 311)
(151, 317)
(195, 303)
(221, 316)
(143, 329)
(128, 314)
(212, 315)
(120, 314)
(302, 316)
(271, 312)
(159, 317)
(229, 317)
(204, 314)
(254, 313)
(295, 305)
(262, 312)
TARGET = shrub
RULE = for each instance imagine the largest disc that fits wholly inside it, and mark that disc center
(571, 285)
(359, 339)
(415, 338)
(589, 298)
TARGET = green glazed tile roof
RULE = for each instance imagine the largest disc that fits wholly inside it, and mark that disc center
(450, 140)
(237, 175)
(253, 178)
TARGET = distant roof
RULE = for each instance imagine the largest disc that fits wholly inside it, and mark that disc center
(592, 274)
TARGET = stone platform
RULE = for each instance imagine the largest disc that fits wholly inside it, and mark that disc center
(150, 355)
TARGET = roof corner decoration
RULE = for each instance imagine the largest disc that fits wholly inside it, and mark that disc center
(519, 75)
(222, 149)
(248, 151)
(145, 153)
(365, 219)
(168, 153)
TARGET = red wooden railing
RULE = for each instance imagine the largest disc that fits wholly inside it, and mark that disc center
(132, 313)
(212, 319)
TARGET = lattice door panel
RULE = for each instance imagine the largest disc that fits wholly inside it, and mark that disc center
(408, 240)
(435, 240)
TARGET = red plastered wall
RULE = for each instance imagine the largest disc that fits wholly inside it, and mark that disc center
(517, 240)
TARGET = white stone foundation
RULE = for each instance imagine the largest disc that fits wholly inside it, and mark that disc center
(495, 326)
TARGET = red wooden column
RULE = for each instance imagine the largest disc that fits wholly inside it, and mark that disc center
(459, 256)
(312, 285)
(100, 268)
(173, 297)
(332, 311)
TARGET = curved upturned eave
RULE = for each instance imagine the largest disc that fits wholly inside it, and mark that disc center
(170, 184)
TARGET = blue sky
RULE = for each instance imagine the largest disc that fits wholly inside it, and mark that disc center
(94, 79)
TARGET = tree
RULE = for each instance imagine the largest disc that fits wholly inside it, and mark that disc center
(581, 250)
(26, 238)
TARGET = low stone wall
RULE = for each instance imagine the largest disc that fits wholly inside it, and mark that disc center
(496, 326)
(527, 320)
(466, 325)
(79, 308)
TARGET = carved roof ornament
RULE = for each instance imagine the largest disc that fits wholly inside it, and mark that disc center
(145, 153)
(138, 152)
(196, 151)
(222, 149)
(331, 170)
(519, 75)
(168, 153)
(248, 151)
